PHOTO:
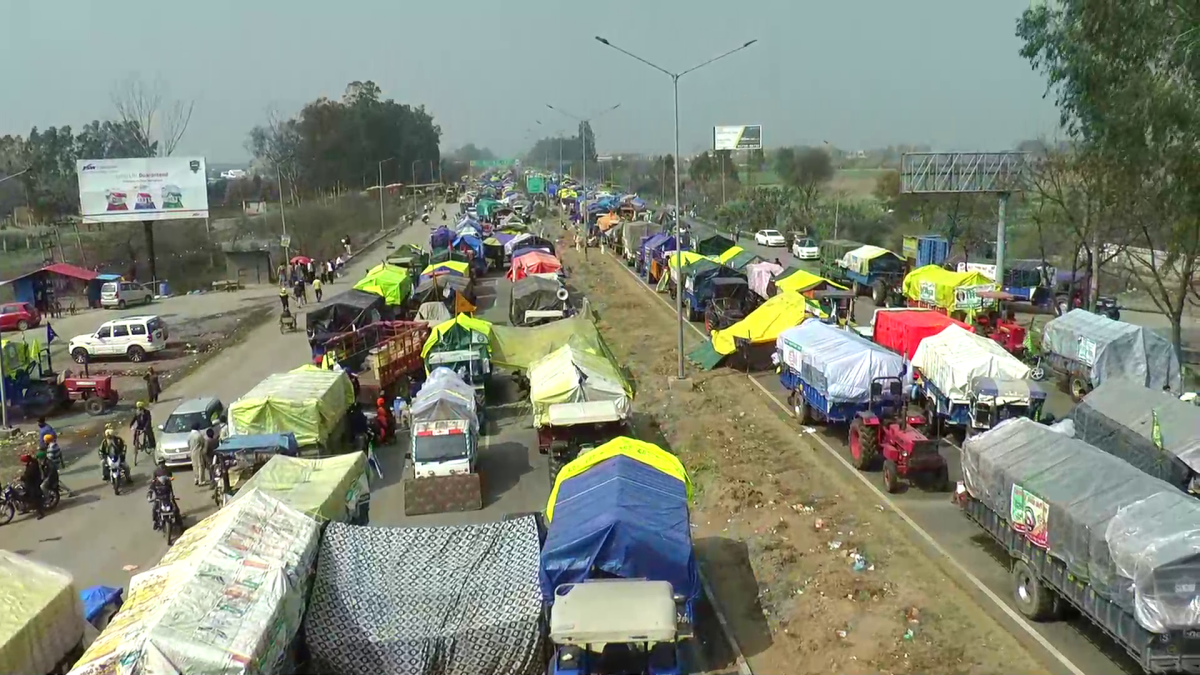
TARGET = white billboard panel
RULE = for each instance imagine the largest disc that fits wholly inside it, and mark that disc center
(145, 188)
(744, 137)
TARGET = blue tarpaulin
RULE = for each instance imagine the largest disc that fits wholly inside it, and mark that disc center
(97, 599)
(284, 443)
(440, 238)
(624, 518)
(471, 242)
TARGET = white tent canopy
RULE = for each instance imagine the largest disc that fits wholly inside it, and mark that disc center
(955, 356)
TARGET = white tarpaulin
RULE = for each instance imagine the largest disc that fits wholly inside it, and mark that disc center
(41, 619)
(572, 375)
(139, 189)
(955, 356)
(839, 363)
(226, 599)
(859, 260)
(760, 275)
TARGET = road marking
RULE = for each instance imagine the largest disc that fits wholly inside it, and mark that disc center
(879, 494)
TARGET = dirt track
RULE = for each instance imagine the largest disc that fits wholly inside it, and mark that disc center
(814, 576)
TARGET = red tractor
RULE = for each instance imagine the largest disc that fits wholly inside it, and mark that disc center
(886, 429)
(97, 393)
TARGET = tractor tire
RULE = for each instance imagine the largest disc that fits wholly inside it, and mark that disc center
(557, 458)
(1078, 388)
(856, 288)
(40, 399)
(94, 405)
(22, 325)
(135, 354)
(891, 476)
(864, 445)
(687, 310)
(878, 293)
(80, 355)
(941, 479)
(1031, 596)
(803, 413)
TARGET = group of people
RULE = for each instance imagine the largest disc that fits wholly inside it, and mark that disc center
(39, 473)
(294, 280)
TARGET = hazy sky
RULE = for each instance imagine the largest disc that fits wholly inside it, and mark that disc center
(857, 73)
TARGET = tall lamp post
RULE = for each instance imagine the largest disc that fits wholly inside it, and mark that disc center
(678, 211)
(583, 141)
(382, 227)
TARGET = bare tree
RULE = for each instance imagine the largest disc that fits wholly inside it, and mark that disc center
(161, 123)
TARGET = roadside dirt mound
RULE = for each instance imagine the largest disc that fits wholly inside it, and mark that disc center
(813, 574)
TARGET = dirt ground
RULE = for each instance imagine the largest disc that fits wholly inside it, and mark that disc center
(813, 574)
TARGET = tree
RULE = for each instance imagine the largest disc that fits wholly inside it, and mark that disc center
(156, 124)
(109, 140)
(589, 141)
(807, 171)
(471, 153)
(702, 169)
(1124, 76)
(758, 160)
(51, 183)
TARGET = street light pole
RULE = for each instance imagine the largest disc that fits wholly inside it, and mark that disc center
(382, 227)
(11, 176)
(583, 142)
(678, 211)
(285, 240)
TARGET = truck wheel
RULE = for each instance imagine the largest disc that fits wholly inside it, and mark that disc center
(864, 445)
(1079, 388)
(878, 293)
(801, 408)
(891, 476)
(94, 405)
(1032, 597)
(558, 457)
(556, 466)
(941, 479)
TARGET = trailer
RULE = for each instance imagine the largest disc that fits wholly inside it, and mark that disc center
(702, 286)
(832, 252)
(873, 271)
(925, 249)
(1085, 349)
(902, 329)
(1085, 530)
(384, 355)
(444, 446)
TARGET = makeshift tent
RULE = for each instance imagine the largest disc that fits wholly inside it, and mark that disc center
(932, 285)
(572, 375)
(442, 288)
(714, 245)
(659, 242)
(345, 312)
(535, 262)
(454, 600)
(632, 233)
(1132, 537)
(469, 241)
(452, 330)
(534, 293)
(867, 259)
(444, 396)
(954, 357)
(529, 249)
(389, 282)
(742, 260)
(440, 238)
(729, 253)
(41, 618)
(839, 363)
(1114, 349)
(688, 258)
(801, 281)
(760, 274)
(308, 401)
(226, 599)
(608, 222)
(458, 267)
(621, 510)
(442, 255)
(764, 324)
(333, 488)
(1131, 421)
(691, 269)
(433, 313)
(518, 347)
(902, 330)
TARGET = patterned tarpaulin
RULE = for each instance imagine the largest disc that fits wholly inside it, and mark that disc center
(410, 601)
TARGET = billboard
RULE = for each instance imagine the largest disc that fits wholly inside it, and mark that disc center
(492, 163)
(745, 137)
(145, 188)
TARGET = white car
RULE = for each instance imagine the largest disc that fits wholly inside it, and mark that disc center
(121, 294)
(131, 337)
(806, 249)
(769, 238)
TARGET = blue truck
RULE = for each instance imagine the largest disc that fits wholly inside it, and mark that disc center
(705, 281)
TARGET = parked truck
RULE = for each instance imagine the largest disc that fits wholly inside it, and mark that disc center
(1087, 531)
(925, 249)
(832, 252)
(444, 447)
(1085, 349)
(874, 271)
(703, 285)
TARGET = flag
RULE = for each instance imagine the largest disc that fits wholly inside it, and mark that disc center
(1156, 430)
(50, 334)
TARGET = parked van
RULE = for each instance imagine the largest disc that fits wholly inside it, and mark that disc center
(121, 294)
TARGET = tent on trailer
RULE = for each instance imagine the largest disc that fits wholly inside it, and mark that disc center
(453, 267)
(308, 401)
(534, 262)
(621, 510)
(42, 620)
(329, 489)
(802, 281)
(954, 357)
(729, 253)
(388, 282)
(440, 238)
(742, 260)
(457, 334)
(760, 274)
(902, 330)
(571, 374)
(867, 260)
(345, 312)
(442, 288)
(936, 287)
(839, 363)
(1114, 349)
(714, 245)
(384, 600)
(535, 293)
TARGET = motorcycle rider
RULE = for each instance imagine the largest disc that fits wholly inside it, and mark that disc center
(160, 490)
(31, 481)
(53, 452)
(50, 481)
(141, 424)
(112, 446)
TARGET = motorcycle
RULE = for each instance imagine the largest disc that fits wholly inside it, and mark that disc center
(1037, 370)
(12, 501)
(115, 473)
(167, 517)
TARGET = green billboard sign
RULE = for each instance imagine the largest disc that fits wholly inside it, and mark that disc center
(492, 163)
(535, 185)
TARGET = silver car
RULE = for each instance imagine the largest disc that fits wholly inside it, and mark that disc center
(173, 433)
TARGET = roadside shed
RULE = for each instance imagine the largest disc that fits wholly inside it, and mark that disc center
(61, 281)
(250, 262)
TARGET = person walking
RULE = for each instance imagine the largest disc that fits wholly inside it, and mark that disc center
(317, 289)
(198, 451)
(153, 386)
(283, 297)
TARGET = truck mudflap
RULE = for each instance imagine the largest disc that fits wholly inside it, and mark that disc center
(443, 494)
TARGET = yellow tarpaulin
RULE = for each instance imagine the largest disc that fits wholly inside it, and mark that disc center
(859, 260)
(608, 222)
(764, 324)
(646, 453)
(389, 282)
(41, 620)
(942, 288)
(519, 347)
(724, 257)
(17, 354)
(688, 258)
(455, 265)
(802, 281)
(468, 322)
(326, 489)
(572, 374)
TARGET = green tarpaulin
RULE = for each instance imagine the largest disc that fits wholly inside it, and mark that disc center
(308, 401)
(389, 282)
(515, 347)
(705, 356)
(326, 489)
(739, 261)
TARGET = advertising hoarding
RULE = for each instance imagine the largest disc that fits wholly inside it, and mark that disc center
(744, 137)
(144, 188)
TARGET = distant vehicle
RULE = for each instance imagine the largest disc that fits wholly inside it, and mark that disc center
(121, 294)
(769, 238)
(133, 337)
(806, 249)
(19, 316)
(173, 433)
(233, 174)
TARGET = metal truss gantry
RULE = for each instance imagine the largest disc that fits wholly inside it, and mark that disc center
(958, 172)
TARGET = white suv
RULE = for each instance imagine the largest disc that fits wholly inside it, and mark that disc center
(132, 337)
(121, 294)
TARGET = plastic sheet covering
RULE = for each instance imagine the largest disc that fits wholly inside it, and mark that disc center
(345, 312)
(902, 330)
(388, 282)
(741, 260)
(444, 397)
(729, 253)
(573, 375)
(449, 600)
(533, 293)
(1064, 495)
(325, 489)
(226, 599)
(1119, 417)
(764, 324)
(462, 321)
(859, 260)
(632, 233)
(954, 357)
(800, 280)
(308, 401)
(1113, 349)
(935, 286)
(518, 347)
(41, 617)
(433, 313)
(688, 257)
(534, 262)
(759, 276)
(839, 363)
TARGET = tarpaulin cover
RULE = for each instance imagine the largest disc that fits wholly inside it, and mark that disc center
(741, 260)
(41, 617)
(462, 321)
(533, 293)
(862, 260)
(688, 258)
(518, 347)
(226, 599)
(1134, 538)
(97, 600)
(284, 443)
(344, 312)
(326, 489)
(955, 356)
(571, 374)
(760, 274)
(308, 401)
(440, 238)
(691, 268)
(715, 245)
(455, 266)
(470, 241)
(838, 363)
(445, 397)
(608, 222)
(387, 281)
(902, 330)
(1119, 417)
(459, 600)
(702, 280)
(622, 517)
(1114, 349)
(442, 255)
(933, 285)
(632, 233)
(529, 249)
(435, 289)
(801, 280)
(764, 324)
(658, 242)
(725, 255)
(517, 240)
(536, 262)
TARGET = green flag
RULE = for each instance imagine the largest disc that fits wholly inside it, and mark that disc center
(1155, 430)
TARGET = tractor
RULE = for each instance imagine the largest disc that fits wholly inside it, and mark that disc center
(32, 385)
(885, 429)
